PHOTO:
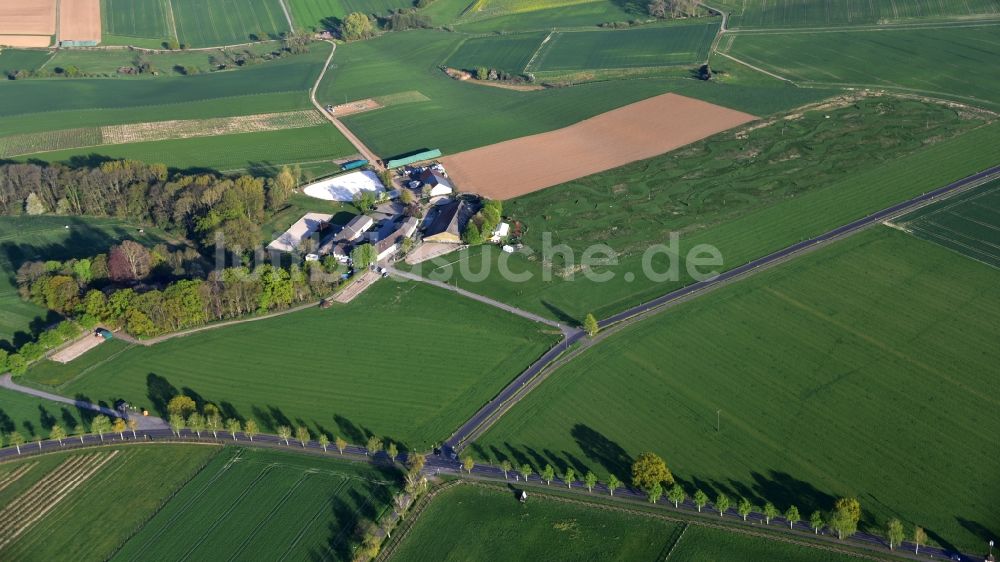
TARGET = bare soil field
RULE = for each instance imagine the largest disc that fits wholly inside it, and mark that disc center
(637, 131)
(80, 20)
(25, 40)
(28, 17)
(82, 345)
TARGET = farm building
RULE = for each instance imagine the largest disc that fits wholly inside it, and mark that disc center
(438, 182)
(447, 224)
(344, 187)
(354, 229)
(500, 232)
(305, 227)
(389, 244)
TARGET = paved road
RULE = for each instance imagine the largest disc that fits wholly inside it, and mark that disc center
(362, 149)
(438, 464)
(566, 330)
(145, 422)
(527, 381)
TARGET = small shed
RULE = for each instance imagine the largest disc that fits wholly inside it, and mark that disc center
(104, 333)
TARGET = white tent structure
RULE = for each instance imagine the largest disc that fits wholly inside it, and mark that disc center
(345, 187)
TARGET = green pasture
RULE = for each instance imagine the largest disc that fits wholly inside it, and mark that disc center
(708, 544)
(139, 19)
(488, 523)
(968, 223)
(95, 518)
(260, 153)
(26, 238)
(319, 15)
(579, 15)
(208, 23)
(945, 62)
(505, 52)
(48, 373)
(861, 370)
(406, 362)
(266, 505)
(12, 60)
(640, 47)
(463, 115)
(33, 417)
(37, 105)
(822, 13)
(746, 197)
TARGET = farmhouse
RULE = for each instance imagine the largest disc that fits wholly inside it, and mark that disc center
(305, 227)
(354, 229)
(438, 182)
(447, 224)
(390, 243)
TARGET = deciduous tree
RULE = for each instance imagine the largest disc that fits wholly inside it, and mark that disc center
(302, 435)
(722, 504)
(57, 433)
(590, 325)
(196, 422)
(340, 444)
(100, 425)
(525, 471)
(792, 515)
(181, 405)
(655, 492)
(649, 469)
(119, 427)
(919, 538)
(250, 429)
(324, 441)
(569, 476)
(363, 256)
(284, 433)
(233, 426)
(505, 467)
(16, 439)
(613, 484)
(356, 26)
(816, 521)
(770, 512)
(373, 445)
(468, 463)
(548, 473)
(894, 530)
(391, 451)
(744, 507)
(676, 495)
(590, 480)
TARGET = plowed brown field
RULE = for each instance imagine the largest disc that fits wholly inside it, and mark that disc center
(80, 20)
(28, 17)
(637, 131)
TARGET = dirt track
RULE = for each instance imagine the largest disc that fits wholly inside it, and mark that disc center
(640, 130)
(28, 17)
(80, 20)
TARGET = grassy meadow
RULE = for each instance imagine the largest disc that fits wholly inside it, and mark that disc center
(462, 115)
(640, 47)
(261, 153)
(33, 417)
(266, 505)
(12, 60)
(706, 544)
(746, 195)
(137, 20)
(28, 106)
(406, 362)
(968, 223)
(505, 52)
(488, 523)
(825, 13)
(863, 369)
(319, 15)
(92, 521)
(36, 238)
(208, 23)
(935, 62)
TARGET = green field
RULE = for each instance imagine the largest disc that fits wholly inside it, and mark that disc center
(968, 224)
(820, 13)
(862, 369)
(140, 19)
(260, 153)
(47, 238)
(747, 197)
(641, 47)
(167, 63)
(587, 14)
(33, 417)
(318, 15)
(704, 544)
(208, 23)
(28, 106)
(937, 62)
(504, 52)
(487, 523)
(266, 505)
(12, 60)
(462, 115)
(339, 371)
(95, 518)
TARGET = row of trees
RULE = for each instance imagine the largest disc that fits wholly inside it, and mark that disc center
(651, 475)
(101, 425)
(672, 8)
